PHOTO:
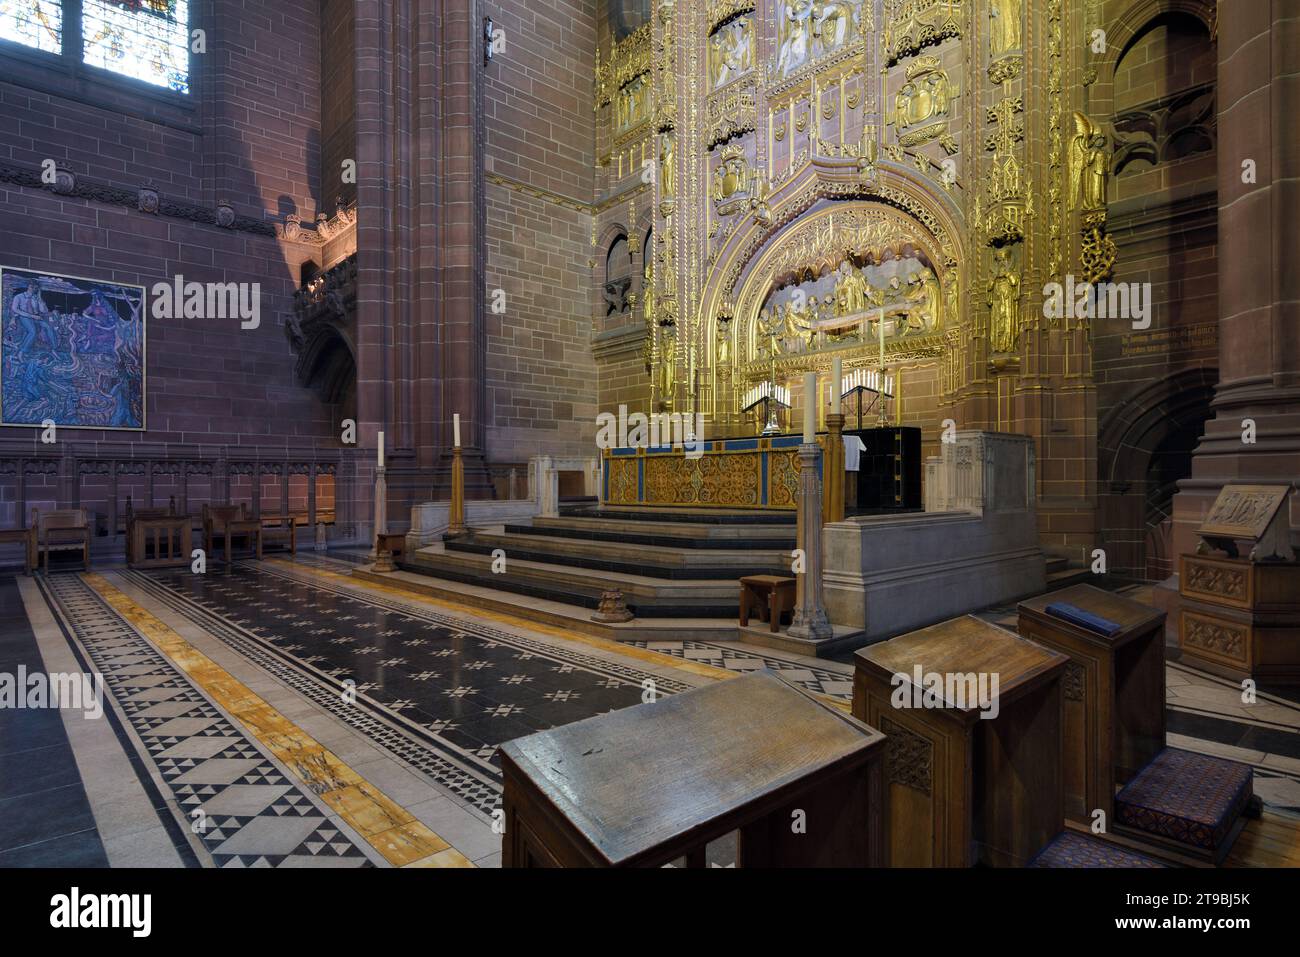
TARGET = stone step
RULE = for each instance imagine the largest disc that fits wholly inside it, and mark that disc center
(647, 560)
(573, 619)
(645, 596)
(662, 534)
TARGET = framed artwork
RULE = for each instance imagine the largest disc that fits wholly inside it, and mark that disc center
(72, 351)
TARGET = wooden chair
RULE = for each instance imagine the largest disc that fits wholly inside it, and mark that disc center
(281, 529)
(62, 530)
(25, 537)
(230, 522)
(134, 516)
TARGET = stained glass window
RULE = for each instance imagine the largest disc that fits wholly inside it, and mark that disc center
(144, 39)
(33, 23)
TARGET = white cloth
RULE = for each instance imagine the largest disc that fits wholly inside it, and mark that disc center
(853, 449)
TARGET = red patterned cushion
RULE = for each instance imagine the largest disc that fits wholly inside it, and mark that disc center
(1190, 798)
(1070, 849)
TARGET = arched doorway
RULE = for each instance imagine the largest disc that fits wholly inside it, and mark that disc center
(1144, 448)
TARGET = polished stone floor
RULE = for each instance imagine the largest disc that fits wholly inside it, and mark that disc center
(282, 714)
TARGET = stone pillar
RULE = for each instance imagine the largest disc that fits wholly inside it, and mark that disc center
(1259, 284)
(810, 621)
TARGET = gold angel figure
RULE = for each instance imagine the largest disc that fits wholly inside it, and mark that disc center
(1089, 164)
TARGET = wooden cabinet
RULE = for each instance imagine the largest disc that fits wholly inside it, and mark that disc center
(965, 789)
(1113, 692)
(800, 780)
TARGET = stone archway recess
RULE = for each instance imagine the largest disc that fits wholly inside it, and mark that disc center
(824, 187)
(1128, 442)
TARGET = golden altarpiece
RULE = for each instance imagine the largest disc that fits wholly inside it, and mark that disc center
(805, 174)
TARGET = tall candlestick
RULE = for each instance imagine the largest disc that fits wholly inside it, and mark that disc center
(882, 341)
(381, 450)
(837, 379)
(455, 428)
(809, 407)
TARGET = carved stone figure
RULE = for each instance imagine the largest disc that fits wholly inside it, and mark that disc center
(1004, 30)
(722, 346)
(794, 35)
(1004, 299)
(667, 175)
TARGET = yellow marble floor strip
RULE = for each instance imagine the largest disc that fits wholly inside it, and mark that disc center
(387, 827)
(615, 647)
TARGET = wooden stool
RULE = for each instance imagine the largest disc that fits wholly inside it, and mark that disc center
(395, 542)
(770, 592)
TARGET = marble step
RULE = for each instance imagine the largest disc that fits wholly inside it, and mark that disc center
(618, 556)
(645, 596)
(662, 534)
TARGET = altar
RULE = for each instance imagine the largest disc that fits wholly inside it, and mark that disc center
(762, 472)
(759, 472)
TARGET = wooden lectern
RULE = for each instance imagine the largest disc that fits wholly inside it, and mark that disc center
(642, 787)
(962, 789)
(1113, 690)
(1240, 616)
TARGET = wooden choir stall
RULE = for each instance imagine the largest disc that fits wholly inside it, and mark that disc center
(798, 779)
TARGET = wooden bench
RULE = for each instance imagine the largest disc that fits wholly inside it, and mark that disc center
(770, 595)
(230, 522)
(62, 530)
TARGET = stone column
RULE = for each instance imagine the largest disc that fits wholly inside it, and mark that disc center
(810, 620)
(1259, 284)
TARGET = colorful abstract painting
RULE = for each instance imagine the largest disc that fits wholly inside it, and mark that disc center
(71, 351)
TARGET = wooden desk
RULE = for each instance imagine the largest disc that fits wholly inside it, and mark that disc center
(25, 537)
(647, 785)
(962, 789)
(172, 537)
(774, 593)
(1113, 691)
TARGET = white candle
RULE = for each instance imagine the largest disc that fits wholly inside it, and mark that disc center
(837, 379)
(455, 428)
(809, 407)
(381, 450)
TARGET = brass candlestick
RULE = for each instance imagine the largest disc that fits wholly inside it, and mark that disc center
(456, 517)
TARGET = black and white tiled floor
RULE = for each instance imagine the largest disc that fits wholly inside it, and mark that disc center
(233, 799)
(445, 691)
